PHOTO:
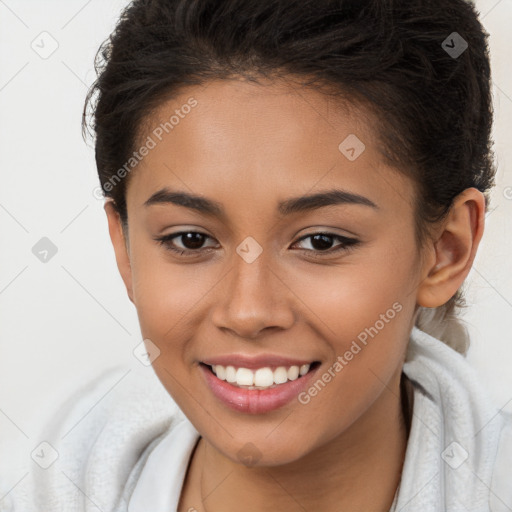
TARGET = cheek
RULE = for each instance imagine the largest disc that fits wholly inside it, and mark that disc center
(368, 338)
(354, 295)
(168, 296)
(363, 311)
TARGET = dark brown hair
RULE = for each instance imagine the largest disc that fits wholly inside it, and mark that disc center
(405, 60)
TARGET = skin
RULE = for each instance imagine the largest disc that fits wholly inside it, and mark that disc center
(249, 146)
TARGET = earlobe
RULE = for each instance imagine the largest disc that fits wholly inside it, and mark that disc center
(455, 250)
(119, 242)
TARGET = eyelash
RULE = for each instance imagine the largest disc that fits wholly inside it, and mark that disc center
(347, 244)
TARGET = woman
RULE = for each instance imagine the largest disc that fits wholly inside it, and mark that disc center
(295, 193)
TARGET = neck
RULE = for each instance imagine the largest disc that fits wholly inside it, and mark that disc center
(358, 470)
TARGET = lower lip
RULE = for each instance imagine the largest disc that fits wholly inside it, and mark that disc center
(255, 401)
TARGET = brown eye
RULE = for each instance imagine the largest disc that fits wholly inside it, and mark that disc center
(321, 242)
(185, 242)
(324, 242)
(192, 240)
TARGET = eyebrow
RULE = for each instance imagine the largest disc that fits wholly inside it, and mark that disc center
(287, 207)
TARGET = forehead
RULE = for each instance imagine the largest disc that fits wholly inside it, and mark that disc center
(264, 140)
(246, 118)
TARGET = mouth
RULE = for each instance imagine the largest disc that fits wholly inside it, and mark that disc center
(263, 378)
(257, 384)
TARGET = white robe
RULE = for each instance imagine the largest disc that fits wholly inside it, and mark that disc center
(128, 450)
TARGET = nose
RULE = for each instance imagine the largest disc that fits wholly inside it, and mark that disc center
(253, 299)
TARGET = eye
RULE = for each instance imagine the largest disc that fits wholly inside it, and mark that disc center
(184, 242)
(190, 243)
(323, 243)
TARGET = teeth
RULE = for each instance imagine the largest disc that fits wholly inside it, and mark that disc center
(293, 372)
(230, 374)
(244, 377)
(304, 369)
(262, 378)
(280, 375)
(221, 372)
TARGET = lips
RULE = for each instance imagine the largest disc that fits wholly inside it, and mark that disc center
(253, 388)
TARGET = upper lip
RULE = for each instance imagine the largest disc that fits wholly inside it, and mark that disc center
(255, 362)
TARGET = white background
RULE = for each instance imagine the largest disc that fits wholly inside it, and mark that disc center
(61, 322)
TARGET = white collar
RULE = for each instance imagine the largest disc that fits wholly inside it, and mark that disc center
(165, 468)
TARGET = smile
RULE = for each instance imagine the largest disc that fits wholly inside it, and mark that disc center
(265, 387)
(261, 378)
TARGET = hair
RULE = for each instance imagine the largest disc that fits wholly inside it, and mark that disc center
(432, 110)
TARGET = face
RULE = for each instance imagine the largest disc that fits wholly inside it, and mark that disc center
(255, 241)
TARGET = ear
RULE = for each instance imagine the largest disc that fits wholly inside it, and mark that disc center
(454, 251)
(121, 248)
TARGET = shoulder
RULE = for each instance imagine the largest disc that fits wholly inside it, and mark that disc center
(94, 439)
(501, 484)
(453, 412)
